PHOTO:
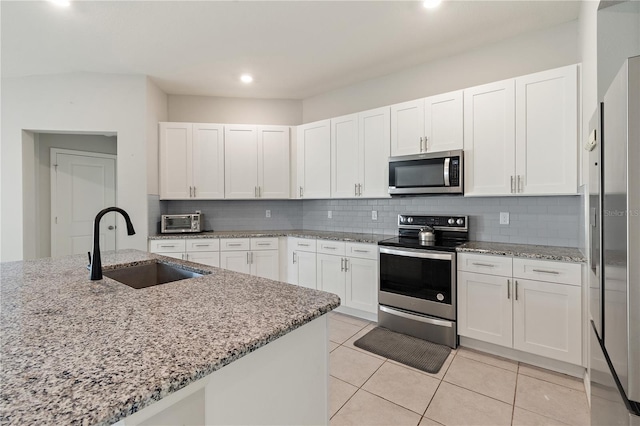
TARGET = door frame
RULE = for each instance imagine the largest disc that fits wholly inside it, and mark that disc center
(54, 196)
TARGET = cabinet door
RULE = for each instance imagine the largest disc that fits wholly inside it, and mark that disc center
(273, 162)
(331, 275)
(208, 161)
(362, 284)
(211, 258)
(374, 133)
(484, 308)
(489, 139)
(235, 261)
(314, 160)
(175, 160)
(546, 132)
(547, 320)
(264, 263)
(344, 156)
(407, 127)
(443, 122)
(241, 162)
(306, 268)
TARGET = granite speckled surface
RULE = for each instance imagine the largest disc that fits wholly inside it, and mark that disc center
(323, 235)
(564, 254)
(80, 352)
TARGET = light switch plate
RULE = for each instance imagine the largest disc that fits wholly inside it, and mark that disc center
(374, 215)
(504, 218)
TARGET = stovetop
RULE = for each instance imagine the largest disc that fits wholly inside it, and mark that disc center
(414, 243)
(450, 230)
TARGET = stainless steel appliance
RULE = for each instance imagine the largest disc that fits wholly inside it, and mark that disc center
(181, 223)
(615, 295)
(433, 173)
(417, 292)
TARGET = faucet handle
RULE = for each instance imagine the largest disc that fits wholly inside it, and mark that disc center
(89, 256)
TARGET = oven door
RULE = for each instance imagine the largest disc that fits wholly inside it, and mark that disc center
(421, 281)
(176, 223)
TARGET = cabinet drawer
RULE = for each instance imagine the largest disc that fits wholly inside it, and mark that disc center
(302, 244)
(331, 247)
(363, 251)
(234, 244)
(203, 244)
(167, 246)
(547, 270)
(264, 244)
(485, 264)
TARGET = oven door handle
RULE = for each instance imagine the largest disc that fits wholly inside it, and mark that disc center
(447, 162)
(418, 253)
(441, 323)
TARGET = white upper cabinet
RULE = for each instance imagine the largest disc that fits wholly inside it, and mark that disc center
(345, 156)
(427, 125)
(546, 132)
(407, 128)
(314, 160)
(241, 161)
(520, 135)
(374, 141)
(443, 124)
(273, 161)
(489, 150)
(256, 161)
(191, 161)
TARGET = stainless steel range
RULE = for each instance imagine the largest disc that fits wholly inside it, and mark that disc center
(417, 293)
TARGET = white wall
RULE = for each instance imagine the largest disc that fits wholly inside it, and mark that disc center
(528, 53)
(44, 143)
(77, 102)
(157, 110)
(211, 109)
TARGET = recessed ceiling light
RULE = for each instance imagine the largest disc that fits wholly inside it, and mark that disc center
(430, 4)
(61, 3)
(246, 78)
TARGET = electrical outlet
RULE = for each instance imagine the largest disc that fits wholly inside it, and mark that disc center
(504, 218)
(267, 213)
(374, 215)
(329, 214)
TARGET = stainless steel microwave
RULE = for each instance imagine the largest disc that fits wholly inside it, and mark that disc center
(181, 223)
(430, 173)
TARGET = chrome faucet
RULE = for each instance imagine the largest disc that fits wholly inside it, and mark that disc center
(96, 263)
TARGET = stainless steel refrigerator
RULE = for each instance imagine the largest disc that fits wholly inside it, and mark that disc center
(615, 296)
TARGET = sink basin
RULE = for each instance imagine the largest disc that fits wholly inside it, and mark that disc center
(150, 274)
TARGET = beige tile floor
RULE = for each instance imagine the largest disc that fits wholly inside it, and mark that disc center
(472, 388)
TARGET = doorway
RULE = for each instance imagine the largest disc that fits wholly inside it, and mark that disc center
(82, 184)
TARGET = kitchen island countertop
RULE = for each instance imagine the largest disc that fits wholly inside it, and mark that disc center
(80, 352)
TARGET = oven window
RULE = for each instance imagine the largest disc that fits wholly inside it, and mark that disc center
(428, 279)
(176, 223)
(419, 174)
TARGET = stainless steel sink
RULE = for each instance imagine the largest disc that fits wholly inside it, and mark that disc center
(150, 274)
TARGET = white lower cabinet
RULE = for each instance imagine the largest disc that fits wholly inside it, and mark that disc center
(362, 284)
(301, 262)
(254, 256)
(511, 309)
(330, 274)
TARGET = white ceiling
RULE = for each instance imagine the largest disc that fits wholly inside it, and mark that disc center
(294, 49)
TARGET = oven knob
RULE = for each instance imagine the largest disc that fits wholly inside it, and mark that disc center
(460, 222)
(410, 220)
(451, 221)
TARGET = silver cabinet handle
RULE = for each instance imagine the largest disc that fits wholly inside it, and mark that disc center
(247, 258)
(300, 192)
(346, 265)
(512, 187)
(519, 186)
(259, 192)
(342, 264)
(190, 191)
(168, 245)
(421, 142)
(303, 245)
(360, 189)
(483, 264)
(234, 245)
(264, 244)
(508, 289)
(329, 248)
(293, 260)
(546, 272)
(426, 144)
(361, 251)
(355, 189)
(202, 245)
(516, 289)
(194, 192)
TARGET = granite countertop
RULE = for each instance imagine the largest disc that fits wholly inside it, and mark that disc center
(564, 254)
(80, 352)
(300, 233)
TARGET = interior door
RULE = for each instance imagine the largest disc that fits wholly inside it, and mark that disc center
(82, 184)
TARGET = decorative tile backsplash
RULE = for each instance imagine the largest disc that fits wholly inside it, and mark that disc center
(553, 221)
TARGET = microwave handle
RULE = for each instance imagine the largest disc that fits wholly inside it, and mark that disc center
(447, 161)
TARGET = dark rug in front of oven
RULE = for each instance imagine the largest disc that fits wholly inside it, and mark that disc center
(417, 353)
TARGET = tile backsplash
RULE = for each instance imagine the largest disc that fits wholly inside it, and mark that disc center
(553, 221)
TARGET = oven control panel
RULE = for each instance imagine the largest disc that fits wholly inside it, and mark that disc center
(448, 222)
